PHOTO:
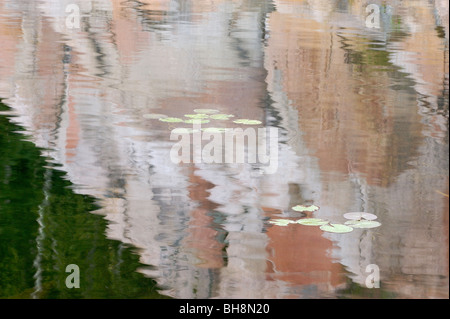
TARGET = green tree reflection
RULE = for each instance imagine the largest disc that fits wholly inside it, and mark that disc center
(45, 226)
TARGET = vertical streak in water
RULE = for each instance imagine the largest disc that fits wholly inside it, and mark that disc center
(41, 236)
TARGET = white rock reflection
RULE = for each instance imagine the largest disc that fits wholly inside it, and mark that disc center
(355, 136)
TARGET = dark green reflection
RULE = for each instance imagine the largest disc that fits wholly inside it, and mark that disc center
(354, 290)
(45, 226)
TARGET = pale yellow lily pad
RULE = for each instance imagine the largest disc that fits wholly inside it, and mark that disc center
(312, 222)
(302, 208)
(360, 215)
(171, 119)
(281, 222)
(363, 223)
(223, 117)
(247, 122)
(336, 228)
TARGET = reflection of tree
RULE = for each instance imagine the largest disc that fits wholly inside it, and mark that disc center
(72, 235)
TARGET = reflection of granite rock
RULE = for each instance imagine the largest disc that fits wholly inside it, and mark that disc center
(357, 111)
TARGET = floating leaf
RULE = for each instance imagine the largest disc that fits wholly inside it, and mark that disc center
(359, 216)
(221, 116)
(171, 119)
(301, 208)
(336, 228)
(312, 221)
(206, 111)
(363, 223)
(197, 116)
(196, 121)
(247, 122)
(153, 116)
(281, 222)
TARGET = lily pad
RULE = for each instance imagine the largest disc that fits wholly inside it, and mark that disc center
(206, 111)
(221, 116)
(281, 222)
(197, 116)
(153, 116)
(360, 215)
(312, 221)
(247, 122)
(363, 223)
(336, 228)
(196, 121)
(301, 208)
(171, 119)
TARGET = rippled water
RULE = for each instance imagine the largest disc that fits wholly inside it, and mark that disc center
(362, 117)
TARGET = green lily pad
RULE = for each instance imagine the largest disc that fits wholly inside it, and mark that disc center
(312, 221)
(197, 116)
(336, 228)
(281, 222)
(206, 111)
(301, 208)
(153, 116)
(247, 122)
(359, 216)
(363, 223)
(196, 121)
(171, 119)
(221, 116)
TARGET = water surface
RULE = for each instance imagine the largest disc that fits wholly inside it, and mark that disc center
(362, 116)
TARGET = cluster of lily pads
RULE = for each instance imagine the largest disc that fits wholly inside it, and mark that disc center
(200, 116)
(355, 220)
